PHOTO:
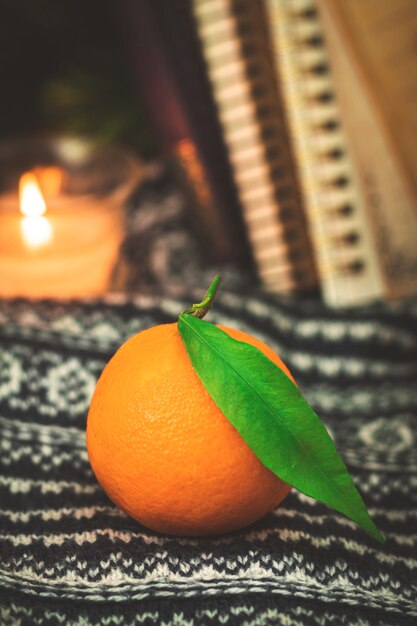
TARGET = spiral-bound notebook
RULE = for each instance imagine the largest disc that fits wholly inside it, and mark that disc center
(361, 211)
(373, 52)
(234, 39)
(293, 105)
(339, 229)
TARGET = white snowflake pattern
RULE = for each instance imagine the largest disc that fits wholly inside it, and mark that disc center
(70, 385)
(11, 373)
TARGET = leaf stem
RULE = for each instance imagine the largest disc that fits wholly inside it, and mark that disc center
(202, 308)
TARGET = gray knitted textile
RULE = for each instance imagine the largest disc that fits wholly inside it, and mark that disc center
(69, 556)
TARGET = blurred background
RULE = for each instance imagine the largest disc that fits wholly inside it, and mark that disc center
(64, 68)
(241, 120)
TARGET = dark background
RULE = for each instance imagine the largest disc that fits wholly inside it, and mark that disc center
(64, 67)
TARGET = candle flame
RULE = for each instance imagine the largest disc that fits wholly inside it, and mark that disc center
(36, 228)
(36, 231)
(32, 203)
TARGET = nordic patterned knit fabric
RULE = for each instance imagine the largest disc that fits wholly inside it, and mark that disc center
(68, 556)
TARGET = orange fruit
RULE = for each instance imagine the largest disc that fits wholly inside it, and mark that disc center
(162, 449)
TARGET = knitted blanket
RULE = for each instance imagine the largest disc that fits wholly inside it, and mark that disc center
(69, 556)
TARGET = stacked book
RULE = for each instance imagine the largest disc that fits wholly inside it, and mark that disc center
(313, 113)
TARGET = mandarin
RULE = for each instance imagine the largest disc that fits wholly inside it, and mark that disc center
(162, 449)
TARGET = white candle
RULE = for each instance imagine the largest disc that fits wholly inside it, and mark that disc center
(64, 249)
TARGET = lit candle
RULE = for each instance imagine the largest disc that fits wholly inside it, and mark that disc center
(63, 247)
(36, 228)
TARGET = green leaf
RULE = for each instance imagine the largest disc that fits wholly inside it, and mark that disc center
(272, 416)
